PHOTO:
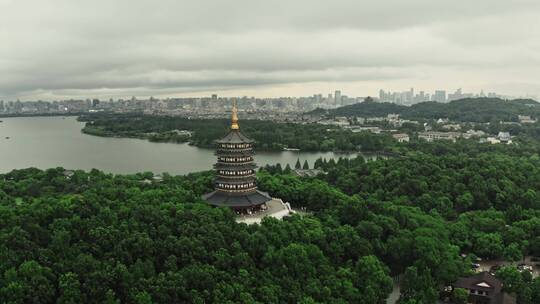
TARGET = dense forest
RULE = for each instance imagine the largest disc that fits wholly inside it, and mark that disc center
(102, 238)
(465, 110)
(269, 135)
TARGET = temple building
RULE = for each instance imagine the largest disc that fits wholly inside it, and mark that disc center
(484, 288)
(235, 182)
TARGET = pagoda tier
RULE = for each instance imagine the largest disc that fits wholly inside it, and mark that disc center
(235, 182)
(249, 152)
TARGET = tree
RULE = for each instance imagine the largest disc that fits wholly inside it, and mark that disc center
(306, 165)
(464, 201)
(512, 252)
(298, 165)
(143, 298)
(30, 283)
(373, 280)
(460, 296)
(535, 291)
(419, 286)
(70, 292)
(318, 163)
(287, 169)
(511, 279)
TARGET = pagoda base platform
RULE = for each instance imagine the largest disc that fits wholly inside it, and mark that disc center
(275, 208)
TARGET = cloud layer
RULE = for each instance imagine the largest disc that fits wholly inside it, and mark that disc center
(73, 48)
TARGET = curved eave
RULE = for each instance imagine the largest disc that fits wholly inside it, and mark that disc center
(234, 181)
(240, 200)
(235, 177)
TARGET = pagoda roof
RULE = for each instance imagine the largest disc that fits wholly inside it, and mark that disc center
(241, 200)
(233, 152)
(235, 137)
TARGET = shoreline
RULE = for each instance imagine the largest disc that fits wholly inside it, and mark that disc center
(77, 114)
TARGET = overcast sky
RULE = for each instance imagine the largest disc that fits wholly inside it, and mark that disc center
(54, 49)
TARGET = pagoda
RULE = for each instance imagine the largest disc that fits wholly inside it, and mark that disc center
(235, 183)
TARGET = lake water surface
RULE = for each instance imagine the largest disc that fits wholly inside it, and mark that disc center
(46, 142)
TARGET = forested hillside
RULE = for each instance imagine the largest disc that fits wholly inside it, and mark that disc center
(100, 238)
(466, 110)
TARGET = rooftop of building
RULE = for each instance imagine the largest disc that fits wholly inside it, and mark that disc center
(486, 282)
(307, 172)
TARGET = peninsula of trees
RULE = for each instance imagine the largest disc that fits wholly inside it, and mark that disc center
(268, 135)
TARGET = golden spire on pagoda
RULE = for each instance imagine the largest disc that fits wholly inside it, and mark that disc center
(234, 119)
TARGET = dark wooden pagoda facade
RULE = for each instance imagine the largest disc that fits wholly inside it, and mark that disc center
(235, 182)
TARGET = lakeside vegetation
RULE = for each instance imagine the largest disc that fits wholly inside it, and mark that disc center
(268, 135)
(94, 237)
(491, 115)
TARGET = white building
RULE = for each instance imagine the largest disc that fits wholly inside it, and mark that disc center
(452, 127)
(401, 137)
(432, 135)
(473, 133)
(356, 129)
(491, 140)
(505, 137)
(526, 119)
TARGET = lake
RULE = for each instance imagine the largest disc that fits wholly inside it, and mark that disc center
(47, 142)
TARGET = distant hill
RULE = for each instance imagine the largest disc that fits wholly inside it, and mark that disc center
(369, 108)
(468, 109)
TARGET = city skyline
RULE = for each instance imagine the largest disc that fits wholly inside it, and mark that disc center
(75, 49)
(391, 95)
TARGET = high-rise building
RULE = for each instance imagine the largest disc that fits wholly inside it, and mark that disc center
(458, 94)
(235, 182)
(337, 98)
(382, 95)
(439, 96)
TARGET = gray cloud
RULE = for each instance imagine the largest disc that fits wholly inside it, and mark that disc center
(64, 48)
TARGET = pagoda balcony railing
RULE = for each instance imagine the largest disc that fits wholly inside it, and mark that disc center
(218, 167)
(228, 152)
(238, 190)
(231, 183)
(234, 162)
(219, 175)
(234, 149)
